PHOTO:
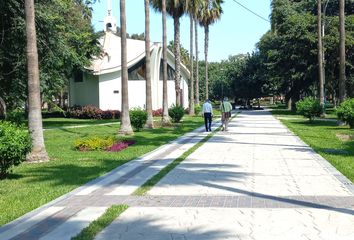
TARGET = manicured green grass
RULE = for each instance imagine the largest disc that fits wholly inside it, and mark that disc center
(101, 223)
(65, 122)
(142, 190)
(322, 136)
(283, 112)
(32, 185)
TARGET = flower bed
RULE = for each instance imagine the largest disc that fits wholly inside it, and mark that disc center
(118, 146)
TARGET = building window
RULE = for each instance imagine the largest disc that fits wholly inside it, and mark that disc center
(78, 76)
(138, 71)
(170, 72)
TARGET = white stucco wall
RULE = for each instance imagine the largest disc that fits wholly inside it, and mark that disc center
(109, 83)
(137, 93)
(85, 92)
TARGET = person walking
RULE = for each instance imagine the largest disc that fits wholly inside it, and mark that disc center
(208, 114)
(225, 108)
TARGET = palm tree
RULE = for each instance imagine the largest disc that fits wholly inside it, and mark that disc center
(193, 6)
(176, 8)
(150, 120)
(166, 120)
(209, 13)
(342, 77)
(38, 152)
(125, 127)
(196, 63)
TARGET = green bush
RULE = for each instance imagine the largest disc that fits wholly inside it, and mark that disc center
(94, 143)
(345, 112)
(15, 143)
(309, 107)
(16, 116)
(138, 118)
(176, 113)
(197, 109)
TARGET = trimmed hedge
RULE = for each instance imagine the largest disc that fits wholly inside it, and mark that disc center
(92, 112)
(138, 118)
(176, 113)
(15, 143)
(345, 112)
(309, 107)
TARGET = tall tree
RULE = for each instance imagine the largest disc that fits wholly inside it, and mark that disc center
(165, 117)
(175, 8)
(193, 6)
(197, 98)
(38, 152)
(150, 120)
(125, 127)
(320, 54)
(342, 77)
(209, 13)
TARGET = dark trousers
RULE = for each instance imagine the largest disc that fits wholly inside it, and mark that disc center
(207, 121)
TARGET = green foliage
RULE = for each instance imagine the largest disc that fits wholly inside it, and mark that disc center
(15, 143)
(176, 113)
(197, 109)
(66, 42)
(345, 112)
(309, 107)
(138, 118)
(94, 143)
(16, 116)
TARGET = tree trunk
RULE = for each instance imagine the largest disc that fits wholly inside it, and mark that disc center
(177, 60)
(150, 119)
(125, 127)
(2, 107)
(165, 117)
(191, 86)
(320, 55)
(35, 127)
(206, 43)
(196, 64)
(342, 77)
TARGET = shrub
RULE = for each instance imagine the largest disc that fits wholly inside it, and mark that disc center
(53, 111)
(94, 143)
(110, 114)
(92, 112)
(176, 113)
(309, 107)
(197, 109)
(118, 146)
(345, 112)
(15, 143)
(16, 116)
(157, 112)
(138, 118)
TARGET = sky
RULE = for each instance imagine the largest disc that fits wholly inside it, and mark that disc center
(236, 32)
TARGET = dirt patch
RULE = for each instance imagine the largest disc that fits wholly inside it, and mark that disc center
(345, 137)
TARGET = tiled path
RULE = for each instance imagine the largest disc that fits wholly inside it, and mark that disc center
(257, 181)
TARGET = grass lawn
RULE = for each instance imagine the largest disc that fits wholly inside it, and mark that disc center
(32, 185)
(283, 112)
(65, 122)
(325, 138)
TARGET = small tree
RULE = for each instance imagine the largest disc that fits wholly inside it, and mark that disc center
(309, 107)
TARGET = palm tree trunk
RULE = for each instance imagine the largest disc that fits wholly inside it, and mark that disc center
(177, 59)
(125, 127)
(320, 54)
(206, 43)
(35, 127)
(196, 64)
(150, 120)
(165, 117)
(342, 77)
(2, 108)
(191, 90)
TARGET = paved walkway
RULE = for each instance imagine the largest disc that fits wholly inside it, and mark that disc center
(256, 181)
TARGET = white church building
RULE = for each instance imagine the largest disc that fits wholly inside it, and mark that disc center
(100, 84)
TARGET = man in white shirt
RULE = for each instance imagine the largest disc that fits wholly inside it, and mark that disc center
(208, 114)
